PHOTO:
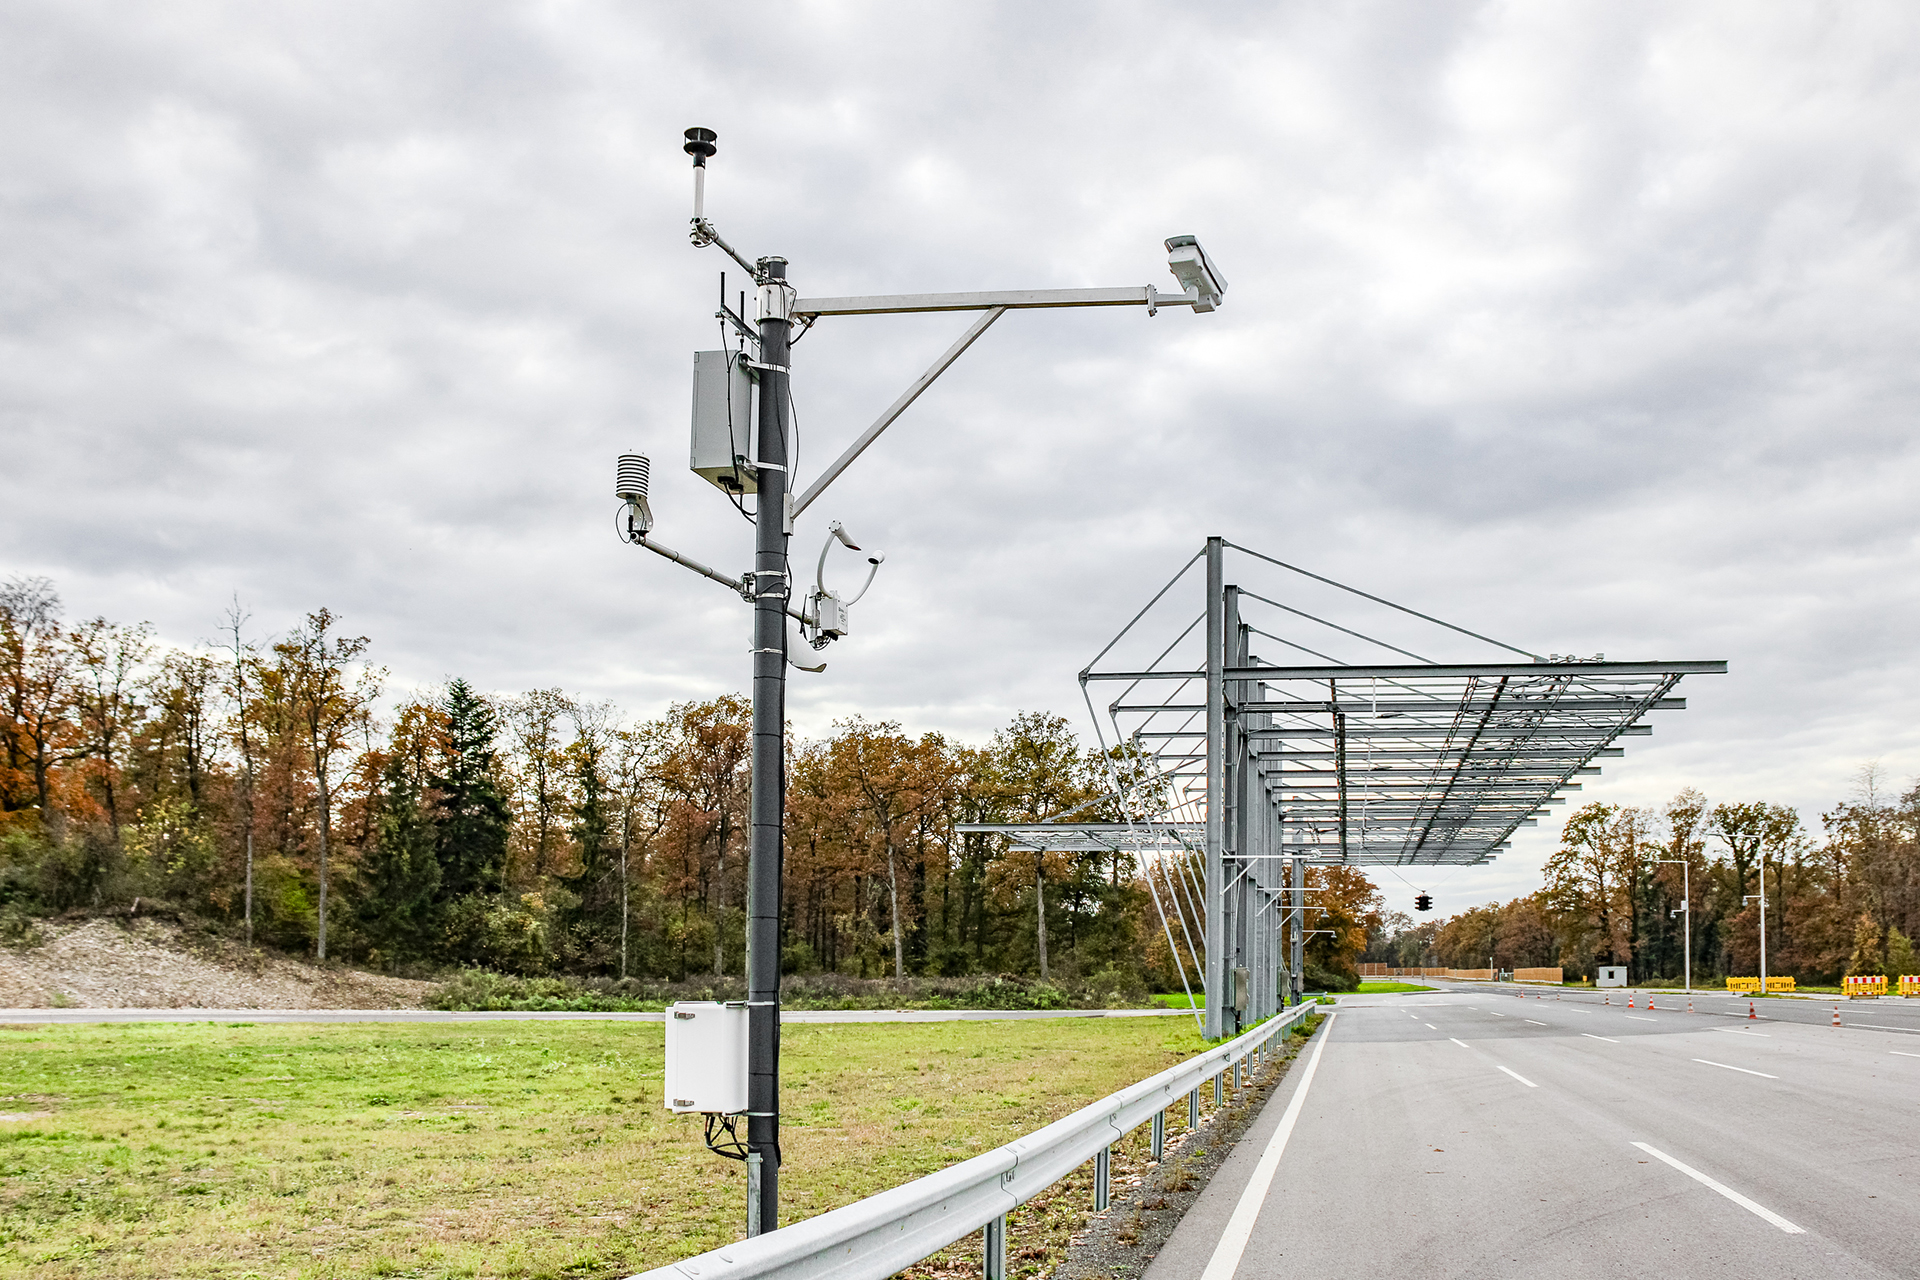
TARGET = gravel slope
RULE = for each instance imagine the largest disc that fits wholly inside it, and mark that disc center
(148, 964)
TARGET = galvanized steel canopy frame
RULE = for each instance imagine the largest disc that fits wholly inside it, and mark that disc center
(1394, 759)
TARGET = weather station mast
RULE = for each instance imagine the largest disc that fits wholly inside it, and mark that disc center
(741, 444)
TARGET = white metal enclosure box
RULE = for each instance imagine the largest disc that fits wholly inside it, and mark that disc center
(707, 1057)
(1611, 975)
(723, 421)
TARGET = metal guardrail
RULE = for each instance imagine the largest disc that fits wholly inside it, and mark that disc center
(873, 1238)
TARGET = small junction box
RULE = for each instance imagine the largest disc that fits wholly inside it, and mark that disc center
(706, 1057)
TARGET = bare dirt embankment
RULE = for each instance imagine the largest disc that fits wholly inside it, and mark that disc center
(151, 964)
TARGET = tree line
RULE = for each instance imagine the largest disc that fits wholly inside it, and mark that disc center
(276, 789)
(1627, 883)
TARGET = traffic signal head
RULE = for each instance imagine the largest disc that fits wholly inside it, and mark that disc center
(1423, 902)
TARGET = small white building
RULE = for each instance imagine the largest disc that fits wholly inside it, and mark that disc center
(1611, 975)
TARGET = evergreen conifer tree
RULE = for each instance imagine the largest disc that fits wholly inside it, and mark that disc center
(400, 873)
(473, 818)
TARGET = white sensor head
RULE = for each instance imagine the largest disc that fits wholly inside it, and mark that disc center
(1195, 272)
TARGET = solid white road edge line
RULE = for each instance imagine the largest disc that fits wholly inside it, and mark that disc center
(1729, 1031)
(1725, 1067)
(1609, 1039)
(1517, 1076)
(1239, 1229)
(1726, 1191)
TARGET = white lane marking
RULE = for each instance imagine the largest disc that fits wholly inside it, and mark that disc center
(1724, 1065)
(1239, 1230)
(1731, 1032)
(1464, 1045)
(1893, 1051)
(1537, 1024)
(1637, 1018)
(1726, 1191)
(1874, 1026)
(1499, 1015)
(1609, 1039)
(1429, 1026)
(1517, 1076)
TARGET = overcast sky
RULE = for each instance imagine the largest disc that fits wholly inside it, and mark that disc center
(1589, 326)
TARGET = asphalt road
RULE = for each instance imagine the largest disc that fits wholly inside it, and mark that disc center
(434, 1015)
(1492, 1133)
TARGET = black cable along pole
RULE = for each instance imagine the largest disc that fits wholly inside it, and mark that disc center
(765, 846)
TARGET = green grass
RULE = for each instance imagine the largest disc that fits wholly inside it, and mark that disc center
(1389, 988)
(524, 1150)
(1178, 1000)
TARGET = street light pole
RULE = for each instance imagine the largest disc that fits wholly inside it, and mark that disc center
(1686, 909)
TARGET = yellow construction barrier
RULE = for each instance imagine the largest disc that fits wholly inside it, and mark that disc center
(1743, 984)
(1910, 984)
(1864, 987)
(1779, 984)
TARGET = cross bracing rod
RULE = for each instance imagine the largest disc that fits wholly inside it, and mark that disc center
(1412, 731)
(1424, 706)
(1583, 671)
(1548, 753)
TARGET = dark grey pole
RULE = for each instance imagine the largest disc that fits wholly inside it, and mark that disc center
(1217, 959)
(765, 847)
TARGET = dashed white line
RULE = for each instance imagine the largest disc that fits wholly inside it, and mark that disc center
(1464, 1045)
(1724, 1190)
(1499, 1015)
(1637, 1018)
(1537, 1024)
(1903, 1055)
(1517, 1076)
(1732, 1032)
(1609, 1039)
(1725, 1067)
(1429, 1026)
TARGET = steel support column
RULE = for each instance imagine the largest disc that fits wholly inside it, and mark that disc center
(1218, 962)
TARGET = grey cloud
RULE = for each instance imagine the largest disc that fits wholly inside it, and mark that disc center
(1589, 325)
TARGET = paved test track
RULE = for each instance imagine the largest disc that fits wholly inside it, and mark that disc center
(435, 1015)
(1472, 1133)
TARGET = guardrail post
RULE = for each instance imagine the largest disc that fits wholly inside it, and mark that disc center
(994, 1243)
(1102, 1177)
(1219, 1087)
(1159, 1133)
(1193, 1110)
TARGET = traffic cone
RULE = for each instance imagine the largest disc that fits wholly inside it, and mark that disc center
(1649, 1002)
(1751, 1015)
(1689, 1006)
(1836, 1015)
(1629, 1002)
(1606, 999)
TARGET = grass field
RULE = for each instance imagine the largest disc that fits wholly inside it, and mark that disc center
(1389, 988)
(531, 1150)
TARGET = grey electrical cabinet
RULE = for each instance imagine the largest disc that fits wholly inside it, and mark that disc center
(723, 421)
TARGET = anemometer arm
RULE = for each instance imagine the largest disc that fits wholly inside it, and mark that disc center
(740, 584)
